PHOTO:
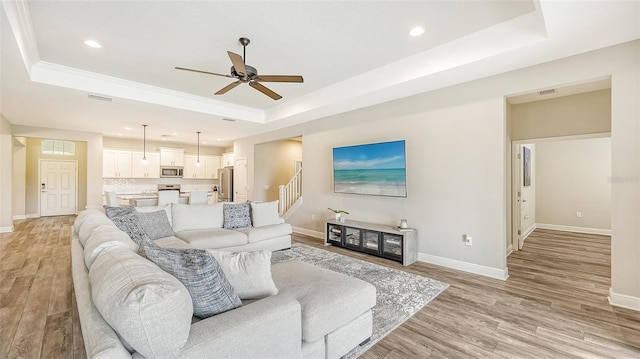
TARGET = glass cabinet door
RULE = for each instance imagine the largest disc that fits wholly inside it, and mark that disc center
(392, 246)
(352, 237)
(371, 241)
(334, 234)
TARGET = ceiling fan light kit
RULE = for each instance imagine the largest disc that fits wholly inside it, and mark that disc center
(244, 73)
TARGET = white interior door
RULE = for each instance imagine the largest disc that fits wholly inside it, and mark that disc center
(517, 197)
(240, 179)
(58, 189)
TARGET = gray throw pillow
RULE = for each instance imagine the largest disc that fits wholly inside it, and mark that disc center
(155, 224)
(126, 219)
(237, 215)
(200, 273)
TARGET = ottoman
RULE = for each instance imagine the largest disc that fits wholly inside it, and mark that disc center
(336, 308)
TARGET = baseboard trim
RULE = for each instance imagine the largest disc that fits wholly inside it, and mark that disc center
(6, 229)
(19, 217)
(528, 231)
(501, 274)
(557, 227)
(33, 215)
(308, 232)
(623, 300)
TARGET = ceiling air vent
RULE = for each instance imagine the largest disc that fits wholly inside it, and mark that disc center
(100, 98)
(546, 92)
(228, 119)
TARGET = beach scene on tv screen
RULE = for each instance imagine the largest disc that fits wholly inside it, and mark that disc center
(373, 169)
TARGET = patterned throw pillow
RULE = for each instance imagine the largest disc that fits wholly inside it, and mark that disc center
(126, 219)
(155, 224)
(200, 273)
(236, 215)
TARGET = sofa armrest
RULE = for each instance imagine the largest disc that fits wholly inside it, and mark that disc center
(267, 328)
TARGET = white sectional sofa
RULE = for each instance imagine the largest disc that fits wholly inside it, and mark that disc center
(130, 308)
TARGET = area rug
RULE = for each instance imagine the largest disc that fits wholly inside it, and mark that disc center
(399, 294)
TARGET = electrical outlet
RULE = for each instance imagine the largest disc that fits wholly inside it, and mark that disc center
(313, 217)
(578, 214)
(467, 239)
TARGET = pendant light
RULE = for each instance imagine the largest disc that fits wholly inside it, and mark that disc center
(198, 160)
(144, 144)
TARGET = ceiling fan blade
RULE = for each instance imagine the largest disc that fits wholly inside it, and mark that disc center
(279, 78)
(202, 72)
(238, 63)
(264, 90)
(228, 87)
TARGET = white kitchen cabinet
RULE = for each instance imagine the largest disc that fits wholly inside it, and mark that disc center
(171, 157)
(227, 159)
(208, 168)
(191, 169)
(149, 170)
(116, 163)
(211, 166)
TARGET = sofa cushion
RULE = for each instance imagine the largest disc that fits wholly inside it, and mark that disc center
(212, 238)
(90, 224)
(257, 234)
(248, 272)
(328, 299)
(265, 214)
(150, 309)
(188, 217)
(82, 216)
(106, 237)
(211, 292)
(155, 224)
(166, 208)
(172, 242)
(236, 215)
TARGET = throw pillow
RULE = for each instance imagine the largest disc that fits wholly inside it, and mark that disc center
(128, 223)
(265, 213)
(248, 272)
(236, 215)
(117, 211)
(200, 273)
(155, 224)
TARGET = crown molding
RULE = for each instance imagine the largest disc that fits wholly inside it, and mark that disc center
(69, 77)
(20, 21)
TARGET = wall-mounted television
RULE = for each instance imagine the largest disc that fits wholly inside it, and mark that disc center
(377, 169)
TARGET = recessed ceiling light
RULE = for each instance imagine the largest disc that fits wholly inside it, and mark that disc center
(120, 134)
(92, 43)
(219, 139)
(174, 134)
(128, 128)
(204, 142)
(416, 31)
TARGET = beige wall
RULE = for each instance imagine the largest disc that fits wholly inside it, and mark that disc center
(274, 166)
(579, 114)
(19, 174)
(457, 161)
(6, 159)
(32, 180)
(574, 176)
(153, 146)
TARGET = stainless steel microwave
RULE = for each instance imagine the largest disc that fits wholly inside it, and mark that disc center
(171, 171)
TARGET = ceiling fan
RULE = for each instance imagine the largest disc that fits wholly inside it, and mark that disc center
(244, 73)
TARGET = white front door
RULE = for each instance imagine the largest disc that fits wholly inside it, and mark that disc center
(240, 179)
(58, 190)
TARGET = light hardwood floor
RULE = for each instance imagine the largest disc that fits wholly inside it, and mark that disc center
(554, 304)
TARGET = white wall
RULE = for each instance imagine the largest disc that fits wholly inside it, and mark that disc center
(574, 176)
(444, 120)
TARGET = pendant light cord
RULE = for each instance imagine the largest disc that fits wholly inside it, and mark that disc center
(144, 142)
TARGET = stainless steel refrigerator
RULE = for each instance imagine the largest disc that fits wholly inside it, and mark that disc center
(225, 184)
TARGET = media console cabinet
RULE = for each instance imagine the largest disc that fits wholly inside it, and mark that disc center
(375, 239)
